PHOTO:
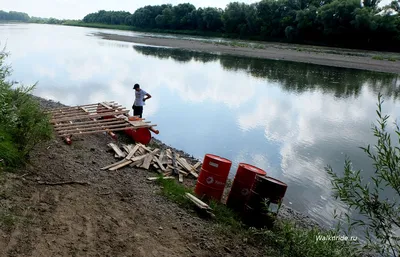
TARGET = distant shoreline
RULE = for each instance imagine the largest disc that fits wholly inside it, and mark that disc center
(335, 57)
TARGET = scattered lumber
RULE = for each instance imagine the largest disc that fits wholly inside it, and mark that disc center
(117, 150)
(197, 165)
(156, 178)
(132, 152)
(188, 167)
(148, 159)
(174, 165)
(165, 162)
(159, 164)
(198, 202)
(125, 163)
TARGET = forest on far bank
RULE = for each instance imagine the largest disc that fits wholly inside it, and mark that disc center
(344, 23)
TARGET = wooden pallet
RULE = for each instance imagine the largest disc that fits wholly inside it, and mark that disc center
(93, 118)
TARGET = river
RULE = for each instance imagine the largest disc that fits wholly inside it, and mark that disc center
(287, 118)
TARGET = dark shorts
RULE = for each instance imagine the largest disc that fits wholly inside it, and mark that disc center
(137, 111)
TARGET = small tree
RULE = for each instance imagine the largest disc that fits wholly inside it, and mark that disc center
(380, 216)
(23, 124)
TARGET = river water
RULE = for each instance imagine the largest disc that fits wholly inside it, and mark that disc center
(287, 118)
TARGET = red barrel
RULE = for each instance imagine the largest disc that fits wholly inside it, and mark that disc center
(217, 165)
(270, 188)
(141, 135)
(244, 180)
(212, 179)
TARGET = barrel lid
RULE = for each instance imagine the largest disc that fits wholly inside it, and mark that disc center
(253, 169)
(218, 158)
(272, 180)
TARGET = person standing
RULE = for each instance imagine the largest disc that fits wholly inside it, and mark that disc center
(140, 98)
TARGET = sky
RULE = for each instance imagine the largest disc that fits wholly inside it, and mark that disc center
(77, 9)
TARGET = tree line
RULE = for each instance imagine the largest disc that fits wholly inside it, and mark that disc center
(24, 17)
(348, 23)
(14, 16)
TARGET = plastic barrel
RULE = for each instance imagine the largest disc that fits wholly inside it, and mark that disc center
(212, 179)
(244, 180)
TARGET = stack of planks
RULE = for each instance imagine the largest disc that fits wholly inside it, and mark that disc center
(165, 162)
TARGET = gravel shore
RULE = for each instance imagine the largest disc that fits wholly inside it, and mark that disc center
(344, 58)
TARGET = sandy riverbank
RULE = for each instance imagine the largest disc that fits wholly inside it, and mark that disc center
(306, 54)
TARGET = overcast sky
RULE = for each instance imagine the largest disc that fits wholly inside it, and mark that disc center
(77, 9)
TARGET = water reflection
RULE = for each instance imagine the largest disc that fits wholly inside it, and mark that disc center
(309, 127)
(292, 77)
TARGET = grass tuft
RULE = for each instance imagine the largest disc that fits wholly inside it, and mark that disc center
(285, 239)
(378, 57)
(7, 219)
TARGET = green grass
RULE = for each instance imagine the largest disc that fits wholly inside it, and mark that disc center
(175, 192)
(284, 239)
(392, 59)
(7, 219)
(378, 57)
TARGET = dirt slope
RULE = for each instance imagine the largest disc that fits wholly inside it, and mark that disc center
(117, 214)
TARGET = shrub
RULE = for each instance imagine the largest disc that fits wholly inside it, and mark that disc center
(380, 215)
(22, 123)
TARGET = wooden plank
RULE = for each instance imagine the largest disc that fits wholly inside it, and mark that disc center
(93, 132)
(126, 163)
(136, 163)
(161, 156)
(127, 149)
(86, 116)
(68, 113)
(117, 150)
(112, 165)
(179, 170)
(188, 167)
(91, 125)
(156, 178)
(75, 107)
(141, 151)
(168, 173)
(148, 159)
(197, 165)
(180, 178)
(106, 105)
(139, 163)
(70, 108)
(183, 172)
(145, 148)
(198, 202)
(85, 122)
(133, 151)
(138, 158)
(94, 127)
(159, 163)
(82, 111)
